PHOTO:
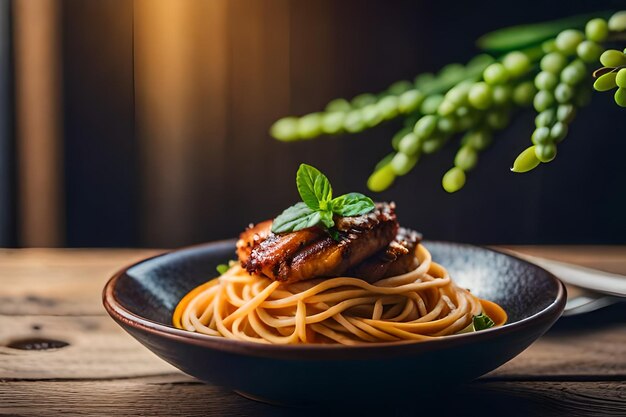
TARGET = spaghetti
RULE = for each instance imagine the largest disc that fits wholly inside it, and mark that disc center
(419, 305)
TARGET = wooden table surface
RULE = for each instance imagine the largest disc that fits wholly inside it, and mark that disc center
(577, 368)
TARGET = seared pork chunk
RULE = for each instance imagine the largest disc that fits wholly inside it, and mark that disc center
(313, 253)
(397, 258)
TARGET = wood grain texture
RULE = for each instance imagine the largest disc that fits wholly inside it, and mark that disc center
(59, 282)
(581, 351)
(578, 368)
(181, 395)
(98, 348)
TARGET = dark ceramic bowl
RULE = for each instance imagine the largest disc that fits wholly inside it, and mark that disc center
(142, 297)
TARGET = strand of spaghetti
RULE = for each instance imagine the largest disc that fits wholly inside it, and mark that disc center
(248, 330)
(197, 304)
(448, 302)
(182, 305)
(426, 327)
(379, 334)
(201, 328)
(413, 313)
(331, 334)
(432, 314)
(337, 295)
(229, 288)
(235, 328)
(433, 325)
(378, 310)
(259, 285)
(243, 336)
(405, 311)
(217, 313)
(394, 312)
(333, 325)
(252, 304)
(404, 335)
(265, 334)
(459, 324)
(438, 270)
(234, 298)
(206, 313)
(285, 331)
(202, 299)
(280, 293)
(419, 304)
(337, 308)
(247, 293)
(429, 331)
(341, 320)
(301, 321)
(338, 282)
(475, 304)
(314, 318)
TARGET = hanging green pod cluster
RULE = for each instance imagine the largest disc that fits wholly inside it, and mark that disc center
(545, 66)
(561, 89)
(612, 75)
(613, 72)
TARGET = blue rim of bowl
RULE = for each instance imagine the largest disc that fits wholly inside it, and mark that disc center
(121, 314)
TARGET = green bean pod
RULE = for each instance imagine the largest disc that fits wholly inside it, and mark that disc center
(526, 161)
(453, 180)
(381, 179)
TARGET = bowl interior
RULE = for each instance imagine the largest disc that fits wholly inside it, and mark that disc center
(152, 288)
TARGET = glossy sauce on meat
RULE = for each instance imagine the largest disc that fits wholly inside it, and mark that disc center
(396, 259)
(369, 244)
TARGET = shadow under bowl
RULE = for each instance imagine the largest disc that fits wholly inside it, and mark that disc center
(142, 298)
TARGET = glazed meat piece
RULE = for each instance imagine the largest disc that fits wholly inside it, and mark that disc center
(397, 258)
(313, 253)
(253, 235)
(263, 252)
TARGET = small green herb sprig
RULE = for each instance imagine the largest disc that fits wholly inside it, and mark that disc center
(482, 322)
(318, 205)
(222, 268)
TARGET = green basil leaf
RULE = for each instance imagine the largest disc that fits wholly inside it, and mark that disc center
(327, 218)
(297, 217)
(314, 187)
(482, 322)
(352, 204)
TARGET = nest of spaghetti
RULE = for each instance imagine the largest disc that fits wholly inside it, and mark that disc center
(372, 282)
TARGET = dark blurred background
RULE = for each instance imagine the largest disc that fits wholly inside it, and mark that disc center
(144, 123)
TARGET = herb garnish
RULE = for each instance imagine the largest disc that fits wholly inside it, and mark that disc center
(222, 268)
(482, 322)
(318, 205)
